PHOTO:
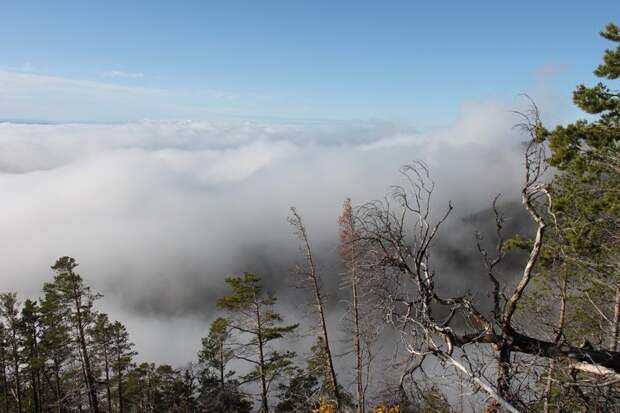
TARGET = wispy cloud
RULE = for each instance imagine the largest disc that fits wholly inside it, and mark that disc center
(123, 74)
(36, 96)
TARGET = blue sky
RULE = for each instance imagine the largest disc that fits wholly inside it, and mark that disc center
(413, 62)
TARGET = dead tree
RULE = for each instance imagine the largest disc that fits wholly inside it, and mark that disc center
(311, 281)
(402, 230)
(350, 254)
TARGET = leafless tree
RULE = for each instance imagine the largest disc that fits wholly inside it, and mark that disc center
(363, 327)
(311, 280)
(401, 231)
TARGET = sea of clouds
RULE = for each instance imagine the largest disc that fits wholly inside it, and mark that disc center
(158, 213)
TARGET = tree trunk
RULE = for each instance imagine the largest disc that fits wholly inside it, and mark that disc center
(34, 373)
(503, 373)
(357, 345)
(120, 386)
(613, 340)
(261, 359)
(601, 362)
(314, 280)
(107, 376)
(221, 343)
(90, 379)
(18, 388)
(5, 384)
(328, 353)
(477, 381)
(58, 391)
(558, 337)
(348, 252)
(35, 392)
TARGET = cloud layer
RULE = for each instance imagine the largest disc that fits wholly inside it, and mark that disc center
(158, 213)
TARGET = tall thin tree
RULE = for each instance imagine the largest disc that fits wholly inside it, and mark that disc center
(311, 279)
(79, 298)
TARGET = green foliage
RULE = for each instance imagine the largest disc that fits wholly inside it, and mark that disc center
(586, 200)
(252, 317)
(215, 353)
(318, 366)
(219, 391)
(300, 393)
(579, 261)
(228, 398)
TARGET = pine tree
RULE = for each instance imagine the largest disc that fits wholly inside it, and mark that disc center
(219, 391)
(122, 353)
(30, 331)
(9, 308)
(215, 353)
(79, 299)
(580, 258)
(300, 393)
(4, 360)
(251, 314)
(318, 366)
(101, 333)
(55, 344)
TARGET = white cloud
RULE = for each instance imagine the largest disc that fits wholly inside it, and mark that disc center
(158, 213)
(123, 74)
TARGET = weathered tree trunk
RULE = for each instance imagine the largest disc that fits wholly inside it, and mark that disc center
(357, 345)
(600, 362)
(313, 277)
(328, 353)
(503, 373)
(476, 380)
(348, 252)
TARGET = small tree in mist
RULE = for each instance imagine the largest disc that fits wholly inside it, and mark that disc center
(300, 393)
(122, 353)
(252, 317)
(219, 391)
(215, 353)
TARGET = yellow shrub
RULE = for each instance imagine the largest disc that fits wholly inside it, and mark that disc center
(382, 408)
(326, 406)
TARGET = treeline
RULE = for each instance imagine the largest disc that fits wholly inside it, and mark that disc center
(61, 354)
